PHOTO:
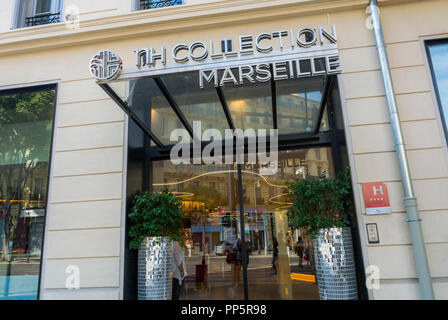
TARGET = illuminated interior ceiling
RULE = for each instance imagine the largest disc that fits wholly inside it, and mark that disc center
(273, 200)
(183, 195)
(186, 194)
(167, 184)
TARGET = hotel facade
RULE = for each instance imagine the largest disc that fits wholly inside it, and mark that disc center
(91, 91)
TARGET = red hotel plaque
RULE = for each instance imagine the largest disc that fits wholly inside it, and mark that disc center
(376, 198)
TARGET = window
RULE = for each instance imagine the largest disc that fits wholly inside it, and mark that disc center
(26, 125)
(317, 154)
(152, 4)
(438, 58)
(37, 12)
(43, 6)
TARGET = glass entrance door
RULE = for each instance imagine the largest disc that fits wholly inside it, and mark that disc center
(280, 265)
(277, 267)
(209, 201)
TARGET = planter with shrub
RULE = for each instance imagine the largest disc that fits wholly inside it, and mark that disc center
(156, 221)
(321, 208)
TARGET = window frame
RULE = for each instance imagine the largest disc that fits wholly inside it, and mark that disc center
(36, 88)
(54, 7)
(27, 8)
(442, 113)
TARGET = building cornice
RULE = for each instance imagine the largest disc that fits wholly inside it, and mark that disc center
(164, 21)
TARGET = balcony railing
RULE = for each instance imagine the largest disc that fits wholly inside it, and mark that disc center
(152, 4)
(43, 18)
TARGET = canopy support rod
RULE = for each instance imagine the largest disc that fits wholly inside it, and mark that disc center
(225, 108)
(323, 103)
(124, 106)
(274, 102)
(166, 93)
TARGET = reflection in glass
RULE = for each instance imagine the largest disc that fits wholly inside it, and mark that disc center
(298, 105)
(148, 102)
(277, 268)
(197, 104)
(250, 106)
(26, 121)
(439, 59)
(43, 6)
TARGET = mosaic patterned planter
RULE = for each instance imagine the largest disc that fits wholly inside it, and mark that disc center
(155, 264)
(335, 264)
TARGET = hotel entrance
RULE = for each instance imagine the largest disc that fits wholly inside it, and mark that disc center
(229, 206)
(276, 267)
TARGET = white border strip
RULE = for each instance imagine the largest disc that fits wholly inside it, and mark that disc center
(135, 73)
(357, 195)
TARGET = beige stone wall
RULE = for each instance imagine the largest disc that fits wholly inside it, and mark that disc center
(86, 207)
(95, 9)
(84, 224)
(88, 9)
(405, 26)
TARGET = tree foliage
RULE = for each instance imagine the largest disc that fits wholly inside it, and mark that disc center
(25, 126)
(26, 107)
(155, 215)
(321, 202)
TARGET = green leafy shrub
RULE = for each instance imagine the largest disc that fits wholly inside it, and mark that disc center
(155, 215)
(321, 202)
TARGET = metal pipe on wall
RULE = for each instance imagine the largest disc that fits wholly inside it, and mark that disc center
(410, 201)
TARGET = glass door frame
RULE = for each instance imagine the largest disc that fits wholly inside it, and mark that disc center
(334, 138)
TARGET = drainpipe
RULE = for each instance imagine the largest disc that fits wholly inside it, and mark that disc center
(410, 201)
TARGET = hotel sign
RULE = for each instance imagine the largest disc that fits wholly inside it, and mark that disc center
(106, 65)
(376, 198)
(305, 52)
